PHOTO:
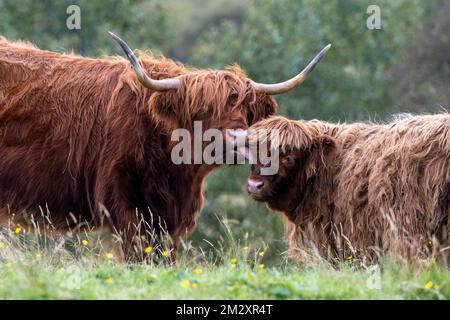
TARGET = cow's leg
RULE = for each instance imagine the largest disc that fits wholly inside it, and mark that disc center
(447, 242)
(118, 252)
(117, 200)
(174, 249)
(125, 227)
(124, 224)
(116, 248)
(137, 227)
(137, 233)
(443, 231)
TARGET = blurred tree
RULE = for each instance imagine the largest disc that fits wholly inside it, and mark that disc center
(277, 38)
(142, 23)
(421, 80)
(192, 18)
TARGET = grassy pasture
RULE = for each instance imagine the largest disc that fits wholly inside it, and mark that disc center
(84, 267)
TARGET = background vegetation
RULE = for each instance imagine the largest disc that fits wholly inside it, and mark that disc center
(369, 74)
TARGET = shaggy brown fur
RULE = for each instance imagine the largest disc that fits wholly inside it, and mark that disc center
(83, 138)
(362, 188)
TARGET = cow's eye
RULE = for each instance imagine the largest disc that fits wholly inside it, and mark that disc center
(232, 98)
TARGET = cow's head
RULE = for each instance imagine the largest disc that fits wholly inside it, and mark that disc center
(303, 151)
(226, 100)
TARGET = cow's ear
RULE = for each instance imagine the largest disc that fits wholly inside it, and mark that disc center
(288, 161)
(165, 109)
(323, 151)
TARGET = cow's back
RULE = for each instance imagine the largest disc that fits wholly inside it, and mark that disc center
(393, 182)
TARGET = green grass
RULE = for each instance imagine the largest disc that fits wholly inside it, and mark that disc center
(66, 269)
(43, 280)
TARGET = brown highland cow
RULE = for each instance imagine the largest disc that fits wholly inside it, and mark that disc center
(89, 140)
(360, 189)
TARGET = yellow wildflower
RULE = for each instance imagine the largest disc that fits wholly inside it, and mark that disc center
(8, 264)
(349, 258)
(109, 256)
(261, 254)
(194, 285)
(109, 280)
(429, 285)
(148, 249)
(38, 255)
(84, 242)
(233, 266)
(245, 248)
(261, 266)
(18, 230)
(198, 270)
(165, 253)
(234, 261)
(185, 284)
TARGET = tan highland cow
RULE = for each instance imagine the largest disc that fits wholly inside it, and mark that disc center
(360, 189)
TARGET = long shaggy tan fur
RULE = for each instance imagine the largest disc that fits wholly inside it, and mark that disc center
(387, 189)
(290, 134)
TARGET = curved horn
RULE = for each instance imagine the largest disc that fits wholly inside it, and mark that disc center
(290, 84)
(157, 85)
